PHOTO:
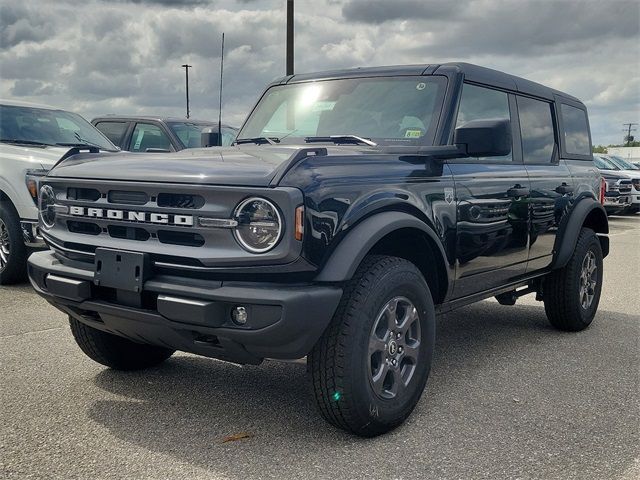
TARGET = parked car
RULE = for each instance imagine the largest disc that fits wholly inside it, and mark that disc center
(633, 172)
(32, 139)
(353, 206)
(160, 134)
(617, 197)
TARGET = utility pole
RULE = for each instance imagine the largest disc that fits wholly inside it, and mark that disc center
(289, 37)
(220, 97)
(629, 138)
(186, 80)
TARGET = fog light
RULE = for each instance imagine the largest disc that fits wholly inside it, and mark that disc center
(239, 315)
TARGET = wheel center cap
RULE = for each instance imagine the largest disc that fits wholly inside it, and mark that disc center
(392, 347)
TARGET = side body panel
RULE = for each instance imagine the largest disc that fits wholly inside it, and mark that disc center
(341, 191)
(492, 229)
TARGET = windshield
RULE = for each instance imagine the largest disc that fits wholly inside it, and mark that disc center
(622, 163)
(604, 163)
(387, 110)
(48, 127)
(190, 133)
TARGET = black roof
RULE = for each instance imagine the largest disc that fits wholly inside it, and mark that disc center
(474, 73)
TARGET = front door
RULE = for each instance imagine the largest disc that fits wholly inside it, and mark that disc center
(492, 197)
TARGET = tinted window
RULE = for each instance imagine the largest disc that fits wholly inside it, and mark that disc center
(146, 136)
(390, 110)
(479, 103)
(112, 130)
(536, 128)
(228, 136)
(603, 163)
(48, 127)
(576, 131)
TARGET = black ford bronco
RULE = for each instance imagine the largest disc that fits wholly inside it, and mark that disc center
(353, 207)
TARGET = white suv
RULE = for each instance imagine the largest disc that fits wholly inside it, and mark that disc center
(32, 139)
(633, 172)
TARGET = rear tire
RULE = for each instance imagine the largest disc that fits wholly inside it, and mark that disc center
(371, 365)
(13, 251)
(572, 293)
(116, 352)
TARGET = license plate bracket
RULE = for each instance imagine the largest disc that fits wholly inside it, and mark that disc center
(120, 270)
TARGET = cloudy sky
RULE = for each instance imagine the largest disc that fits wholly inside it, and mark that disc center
(124, 56)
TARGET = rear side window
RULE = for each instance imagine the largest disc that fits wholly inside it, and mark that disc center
(576, 131)
(112, 130)
(479, 103)
(536, 130)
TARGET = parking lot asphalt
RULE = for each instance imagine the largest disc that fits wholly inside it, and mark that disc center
(508, 397)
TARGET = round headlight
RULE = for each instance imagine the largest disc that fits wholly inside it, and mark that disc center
(47, 206)
(259, 225)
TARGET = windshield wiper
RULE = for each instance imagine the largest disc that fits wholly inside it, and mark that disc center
(258, 140)
(24, 142)
(78, 144)
(342, 139)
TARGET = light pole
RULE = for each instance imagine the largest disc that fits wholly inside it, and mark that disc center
(186, 80)
(289, 37)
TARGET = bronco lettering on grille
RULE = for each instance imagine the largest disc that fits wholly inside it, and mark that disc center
(133, 216)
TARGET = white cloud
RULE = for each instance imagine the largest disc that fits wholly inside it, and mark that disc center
(98, 56)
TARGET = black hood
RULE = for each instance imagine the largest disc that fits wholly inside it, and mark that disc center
(251, 165)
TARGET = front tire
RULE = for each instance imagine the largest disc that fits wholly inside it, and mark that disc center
(114, 351)
(371, 365)
(572, 293)
(13, 252)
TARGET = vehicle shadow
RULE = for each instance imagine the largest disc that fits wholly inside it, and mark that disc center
(508, 397)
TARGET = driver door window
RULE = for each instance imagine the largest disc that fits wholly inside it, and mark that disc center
(478, 103)
(148, 136)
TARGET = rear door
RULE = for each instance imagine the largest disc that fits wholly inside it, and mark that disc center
(552, 188)
(492, 197)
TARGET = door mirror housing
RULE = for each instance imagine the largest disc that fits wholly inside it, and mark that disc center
(484, 138)
(210, 137)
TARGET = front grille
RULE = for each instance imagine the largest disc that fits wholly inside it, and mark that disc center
(163, 221)
(85, 228)
(128, 198)
(173, 200)
(84, 194)
(128, 233)
(186, 239)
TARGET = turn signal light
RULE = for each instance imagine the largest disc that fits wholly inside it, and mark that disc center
(299, 222)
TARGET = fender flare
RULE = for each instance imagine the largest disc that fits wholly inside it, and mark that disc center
(568, 233)
(352, 249)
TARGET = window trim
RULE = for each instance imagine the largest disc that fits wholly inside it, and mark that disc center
(559, 101)
(555, 158)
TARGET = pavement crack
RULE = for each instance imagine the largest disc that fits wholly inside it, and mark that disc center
(30, 332)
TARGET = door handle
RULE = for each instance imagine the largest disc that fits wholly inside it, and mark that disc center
(517, 191)
(564, 189)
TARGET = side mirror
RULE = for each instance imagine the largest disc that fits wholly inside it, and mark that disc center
(210, 137)
(484, 138)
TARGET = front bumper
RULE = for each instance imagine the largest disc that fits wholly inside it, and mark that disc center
(31, 234)
(284, 321)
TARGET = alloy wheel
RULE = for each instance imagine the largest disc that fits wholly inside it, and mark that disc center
(588, 280)
(394, 347)
(5, 245)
